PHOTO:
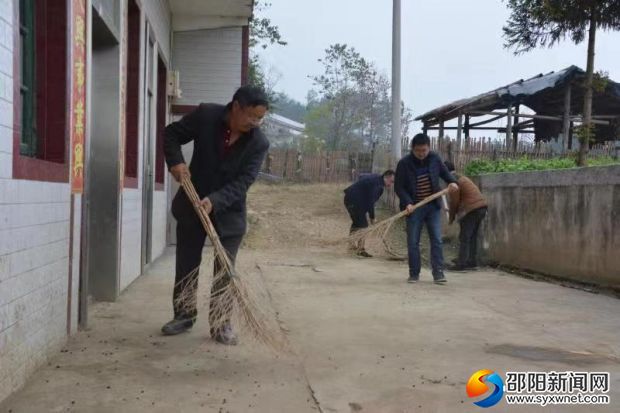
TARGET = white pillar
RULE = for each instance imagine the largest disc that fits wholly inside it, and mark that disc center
(396, 126)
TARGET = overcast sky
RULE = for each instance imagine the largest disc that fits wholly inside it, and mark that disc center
(450, 48)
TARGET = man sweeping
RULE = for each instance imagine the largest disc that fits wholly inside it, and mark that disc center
(360, 199)
(229, 149)
(417, 177)
(470, 206)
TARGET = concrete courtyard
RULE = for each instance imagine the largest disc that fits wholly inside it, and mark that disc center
(362, 338)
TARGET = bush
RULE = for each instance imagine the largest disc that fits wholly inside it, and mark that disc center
(481, 167)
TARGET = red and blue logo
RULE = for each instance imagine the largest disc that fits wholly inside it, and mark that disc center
(478, 385)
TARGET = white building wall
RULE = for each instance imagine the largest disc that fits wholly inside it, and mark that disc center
(131, 236)
(160, 216)
(157, 14)
(35, 216)
(209, 64)
(34, 268)
(34, 247)
(75, 265)
(159, 17)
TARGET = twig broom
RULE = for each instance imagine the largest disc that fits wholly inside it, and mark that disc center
(381, 229)
(232, 295)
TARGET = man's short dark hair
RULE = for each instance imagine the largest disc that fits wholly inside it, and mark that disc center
(450, 166)
(389, 172)
(251, 96)
(420, 139)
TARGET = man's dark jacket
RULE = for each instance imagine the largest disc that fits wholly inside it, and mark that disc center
(225, 180)
(365, 193)
(407, 172)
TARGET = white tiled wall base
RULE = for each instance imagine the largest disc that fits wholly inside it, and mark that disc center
(39, 332)
(75, 278)
(34, 251)
(131, 238)
(159, 222)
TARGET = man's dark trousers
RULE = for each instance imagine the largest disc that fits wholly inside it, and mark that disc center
(191, 238)
(358, 217)
(468, 237)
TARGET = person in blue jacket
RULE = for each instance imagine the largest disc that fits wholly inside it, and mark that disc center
(417, 177)
(360, 199)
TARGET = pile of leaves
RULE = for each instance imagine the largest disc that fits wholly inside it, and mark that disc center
(481, 167)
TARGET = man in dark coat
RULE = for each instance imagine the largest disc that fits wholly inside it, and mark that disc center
(360, 199)
(229, 149)
(470, 206)
(417, 177)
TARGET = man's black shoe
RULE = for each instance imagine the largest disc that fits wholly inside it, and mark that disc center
(177, 326)
(456, 268)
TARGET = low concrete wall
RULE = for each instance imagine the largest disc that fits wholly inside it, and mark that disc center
(564, 223)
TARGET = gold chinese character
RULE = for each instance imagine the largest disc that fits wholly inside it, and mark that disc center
(80, 31)
(78, 161)
(79, 118)
(79, 74)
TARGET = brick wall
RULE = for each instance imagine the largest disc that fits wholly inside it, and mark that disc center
(34, 254)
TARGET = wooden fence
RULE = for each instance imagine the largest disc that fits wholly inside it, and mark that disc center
(342, 166)
(337, 166)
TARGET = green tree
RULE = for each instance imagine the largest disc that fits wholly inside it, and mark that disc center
(534, 23)
(337, 86)
(350, 107)
(316, 126)
(406, 118)
(375, 105)
(357, 96)
(263, 33)
(289, 107)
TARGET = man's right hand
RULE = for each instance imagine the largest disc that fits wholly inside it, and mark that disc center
(180, 171)
(410, 208)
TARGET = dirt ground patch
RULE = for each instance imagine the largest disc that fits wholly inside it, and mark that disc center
(300, 216)
(295, 216)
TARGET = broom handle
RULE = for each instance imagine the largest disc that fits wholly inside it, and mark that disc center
(424, 202)
(190, 190)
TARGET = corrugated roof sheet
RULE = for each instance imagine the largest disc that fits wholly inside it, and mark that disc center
(521, 91)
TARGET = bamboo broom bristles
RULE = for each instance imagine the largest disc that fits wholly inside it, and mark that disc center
(234, 295)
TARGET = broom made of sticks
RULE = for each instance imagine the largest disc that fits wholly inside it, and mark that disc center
(233, 296)
(381, 229)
